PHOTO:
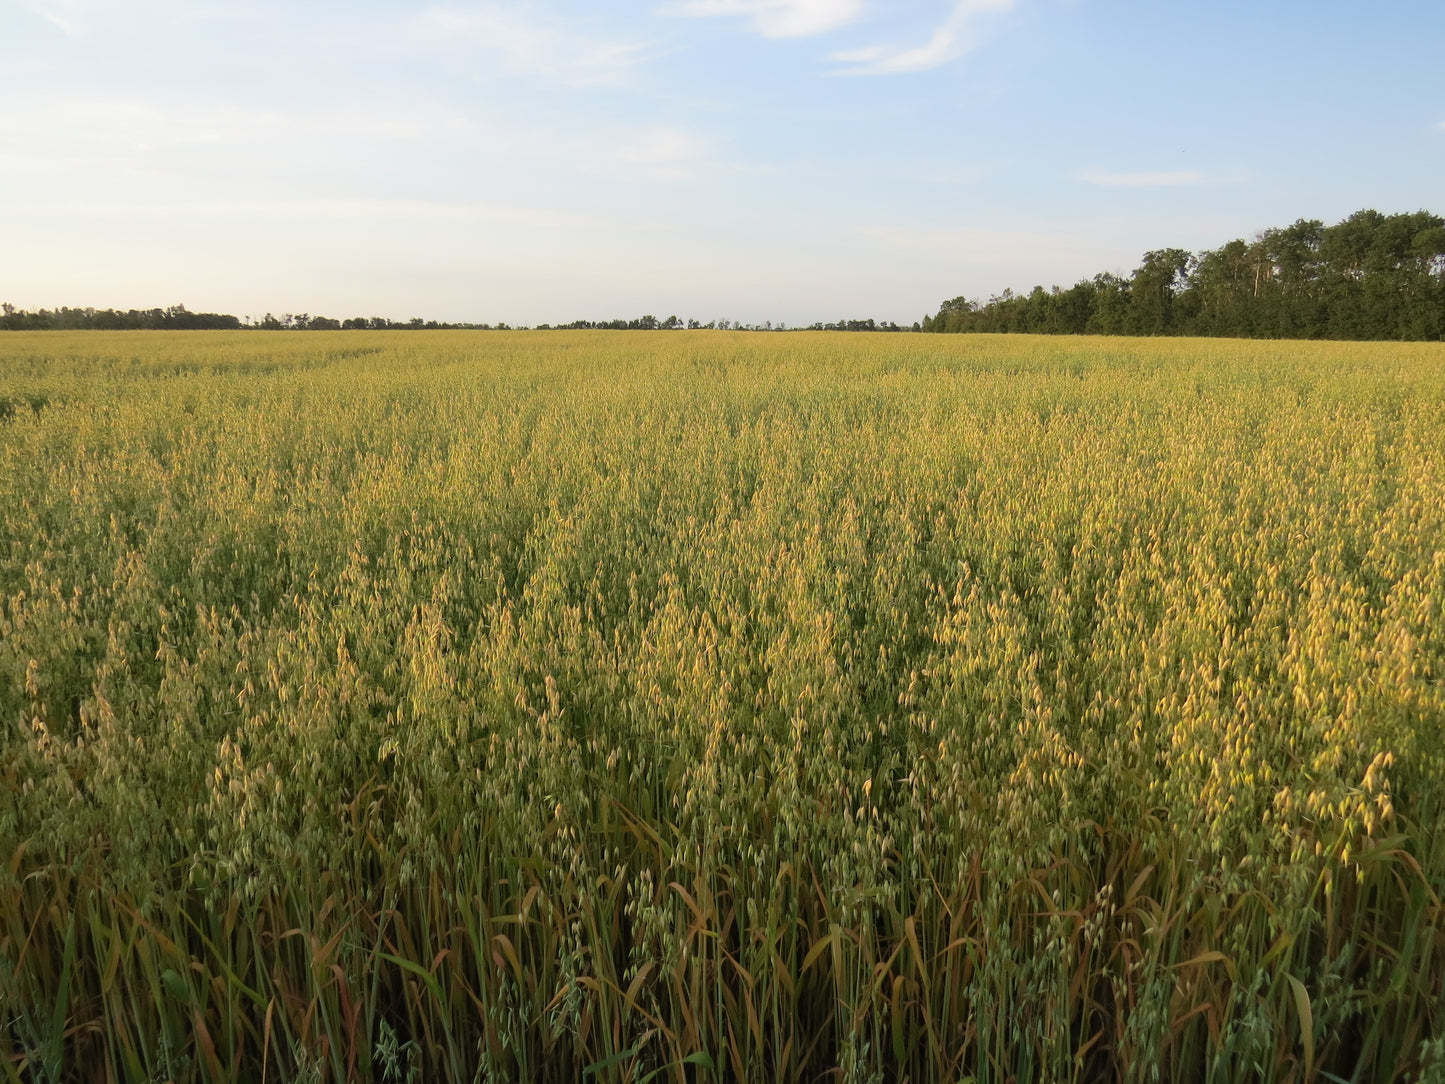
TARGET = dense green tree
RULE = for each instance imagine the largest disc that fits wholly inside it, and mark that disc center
(1223, 285)
(1112, 301)
(1153, 289)
(1371, 276)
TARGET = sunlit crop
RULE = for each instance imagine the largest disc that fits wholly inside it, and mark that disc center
(705, 706)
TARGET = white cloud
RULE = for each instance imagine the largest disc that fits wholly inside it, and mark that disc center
(776, 18)
(77, 17)
(1441, 126)
(536, 44)
(1142, 180)
(956, 36)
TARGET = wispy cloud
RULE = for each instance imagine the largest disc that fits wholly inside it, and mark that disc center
(62, 19)
(91, 126)
(1141, 180)
(956, 36)
(987, 247)
(186, 147)
(961, 175)
(309, 210)
(659, 153)
(1441, 126)
(776, 18)
(77, 17)
(534, 43)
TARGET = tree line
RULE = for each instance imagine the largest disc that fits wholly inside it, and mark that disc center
(175, 318)
(1370, 276)
(179, 318)
(674, 323)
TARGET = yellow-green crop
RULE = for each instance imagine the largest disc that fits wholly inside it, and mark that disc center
(709, 706)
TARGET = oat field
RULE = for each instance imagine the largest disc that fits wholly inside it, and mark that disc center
(707, 706)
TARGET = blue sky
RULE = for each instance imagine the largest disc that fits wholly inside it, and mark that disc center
(784, 160)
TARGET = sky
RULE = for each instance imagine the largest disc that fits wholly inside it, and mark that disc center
(795, 161)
